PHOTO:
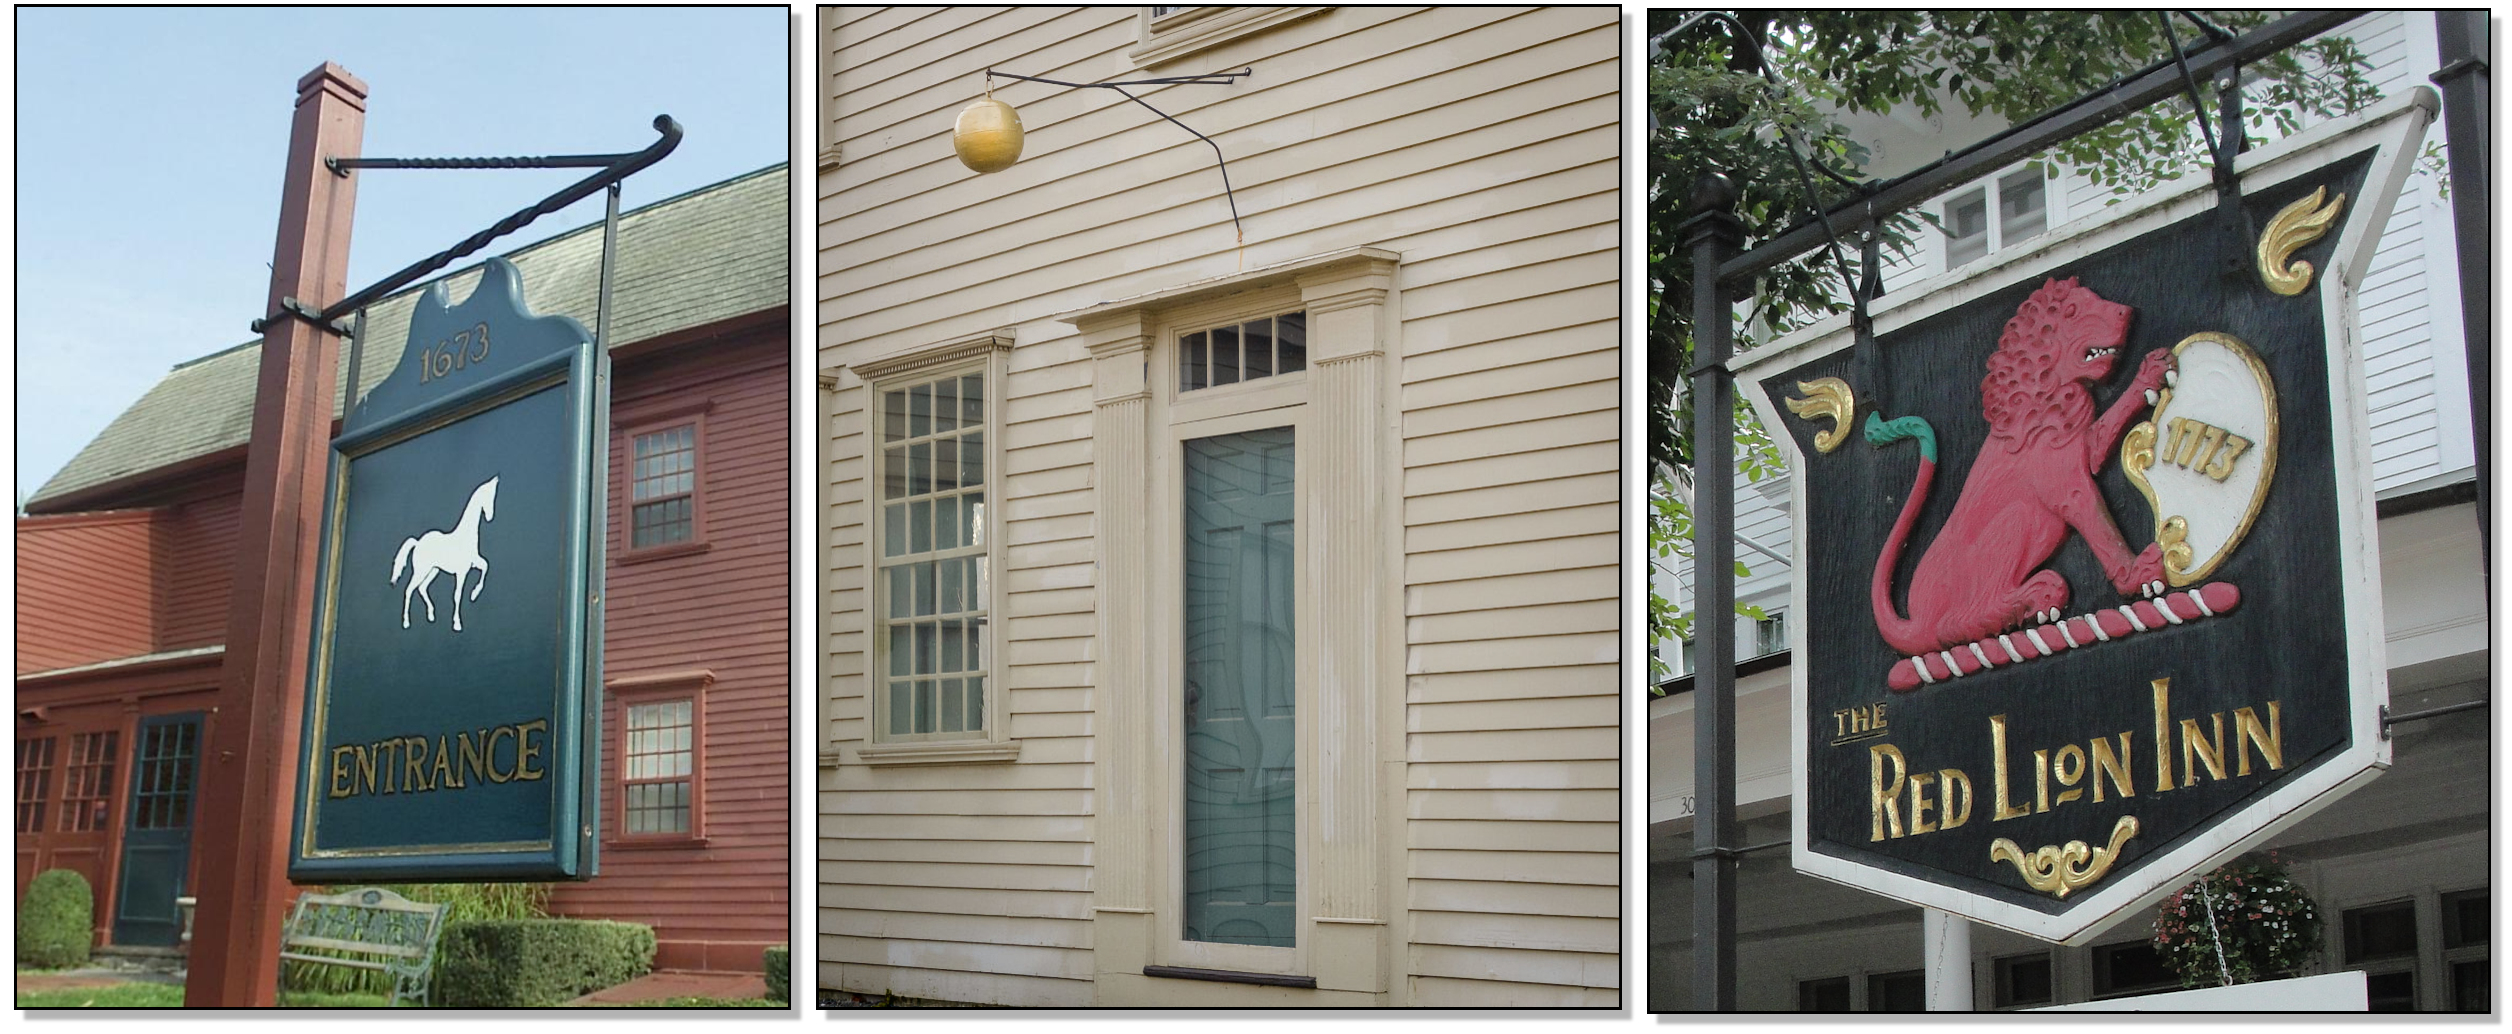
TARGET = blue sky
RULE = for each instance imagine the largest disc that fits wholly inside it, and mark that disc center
(150, 145)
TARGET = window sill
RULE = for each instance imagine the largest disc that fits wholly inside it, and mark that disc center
(664, 552)
(1231, 977)
(945, 752)
(653, 843)
(1192, 32)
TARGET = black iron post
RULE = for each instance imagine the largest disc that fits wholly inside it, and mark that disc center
(2464, 43)
(1714, 234)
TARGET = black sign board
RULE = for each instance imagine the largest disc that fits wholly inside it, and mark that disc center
(451, 710)
(2086, 573)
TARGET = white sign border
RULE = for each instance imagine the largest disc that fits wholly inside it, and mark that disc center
(2398, 125)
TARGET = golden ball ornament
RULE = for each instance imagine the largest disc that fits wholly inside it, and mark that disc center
(988, 136)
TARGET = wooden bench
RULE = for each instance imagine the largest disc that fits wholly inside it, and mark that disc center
(371, 928)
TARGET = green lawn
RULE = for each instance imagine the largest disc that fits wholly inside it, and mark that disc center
(168, 996)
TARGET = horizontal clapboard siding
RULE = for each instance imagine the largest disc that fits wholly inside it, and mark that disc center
(1480, 145)
(723, 610)
(87, 588)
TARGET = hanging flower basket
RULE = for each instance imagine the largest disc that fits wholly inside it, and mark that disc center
(2246, 921)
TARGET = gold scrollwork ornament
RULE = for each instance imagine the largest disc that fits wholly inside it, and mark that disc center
(2296, 226)
(2174, 538)
(2064, 870)
(1830, 398)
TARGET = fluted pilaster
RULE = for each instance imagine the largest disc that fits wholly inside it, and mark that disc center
(1120, 451)
(1346, 306)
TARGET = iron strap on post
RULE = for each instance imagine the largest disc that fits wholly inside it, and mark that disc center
(615, 167)
(2155, 83)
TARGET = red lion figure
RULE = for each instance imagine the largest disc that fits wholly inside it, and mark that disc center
(2032, 481)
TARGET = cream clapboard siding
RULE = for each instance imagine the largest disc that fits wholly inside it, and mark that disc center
(1481, 145)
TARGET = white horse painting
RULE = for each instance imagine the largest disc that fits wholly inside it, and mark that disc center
(455, 552)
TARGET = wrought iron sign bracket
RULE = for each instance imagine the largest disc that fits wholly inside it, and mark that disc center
(614, 168)
(2388, 719)
(1205, 79)
(2222, 147)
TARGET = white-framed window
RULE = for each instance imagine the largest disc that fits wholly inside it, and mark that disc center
(933, 556)
(2131, 968)
(1243, 351)
(2393, 943)
(1166, 34)
(1770, 634)
(2381, 941)
(2467, 922)
(2024, 981)
(663, 486)
(2001, 212)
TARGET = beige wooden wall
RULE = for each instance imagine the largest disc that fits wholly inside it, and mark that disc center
(1481, 144)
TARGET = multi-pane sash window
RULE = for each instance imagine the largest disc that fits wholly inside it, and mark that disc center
(163, 797)
(2021, 202)
(34, 782)
(2023, 206)
(1770, 635)
(1966, 228)
(656, 768)
(1240, 352)
(663, 487)
(87, 783)
(932, 583)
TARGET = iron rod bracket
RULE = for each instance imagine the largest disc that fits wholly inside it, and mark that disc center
(2388, 719)
(341, 166)
(1206, 79)
(614, 168)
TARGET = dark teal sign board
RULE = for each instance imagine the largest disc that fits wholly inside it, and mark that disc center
(452, 710)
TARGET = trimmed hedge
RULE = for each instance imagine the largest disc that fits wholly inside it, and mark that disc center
(511, 963)
(57, 921)
(777, 960)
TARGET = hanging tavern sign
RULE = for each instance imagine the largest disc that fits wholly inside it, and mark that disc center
(449, 727)
(2087, 571)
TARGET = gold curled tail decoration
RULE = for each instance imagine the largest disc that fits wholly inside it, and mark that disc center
(1830, 398)
(2297, 225)
(2062, 870)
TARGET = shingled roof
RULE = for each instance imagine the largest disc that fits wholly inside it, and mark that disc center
(702, 257)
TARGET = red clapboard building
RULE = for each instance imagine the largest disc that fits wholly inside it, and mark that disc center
(126, 557)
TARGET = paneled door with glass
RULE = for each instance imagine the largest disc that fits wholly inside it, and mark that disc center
(1241, 880)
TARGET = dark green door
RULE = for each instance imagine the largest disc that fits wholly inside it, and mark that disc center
(157, 840)
(1240, 872)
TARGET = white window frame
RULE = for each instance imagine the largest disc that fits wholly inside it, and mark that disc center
(987, 354)
(1991, 191)
(1280, 400)
(1197, 29)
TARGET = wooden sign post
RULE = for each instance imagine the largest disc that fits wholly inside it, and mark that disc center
(250, 766)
